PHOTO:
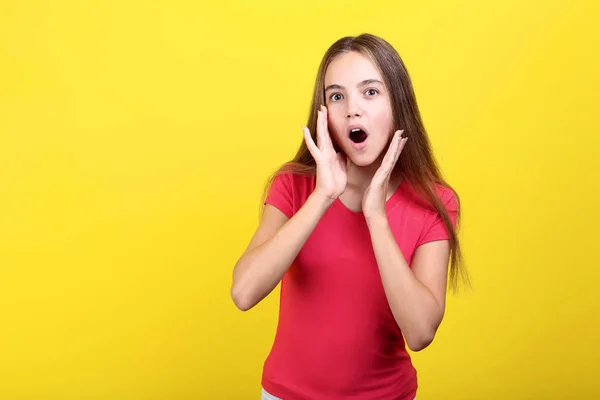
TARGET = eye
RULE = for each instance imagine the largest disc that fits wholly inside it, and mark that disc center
(335, 97)
(372, 92)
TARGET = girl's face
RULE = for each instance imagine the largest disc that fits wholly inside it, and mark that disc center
(358, 107)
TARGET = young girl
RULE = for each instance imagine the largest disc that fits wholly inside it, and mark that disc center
(360, 229)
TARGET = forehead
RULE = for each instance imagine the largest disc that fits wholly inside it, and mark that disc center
(349, 69)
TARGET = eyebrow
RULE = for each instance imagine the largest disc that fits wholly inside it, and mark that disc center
(363, 83)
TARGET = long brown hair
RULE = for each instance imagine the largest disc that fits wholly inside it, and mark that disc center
(417, 163)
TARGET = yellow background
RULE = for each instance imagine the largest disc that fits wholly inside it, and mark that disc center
(135, 137)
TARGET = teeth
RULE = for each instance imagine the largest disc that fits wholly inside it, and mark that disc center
(355, 129)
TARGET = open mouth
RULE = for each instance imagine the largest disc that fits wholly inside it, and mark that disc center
(358, 135)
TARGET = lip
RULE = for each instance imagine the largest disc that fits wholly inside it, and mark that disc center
(361, 145)
(350, 127)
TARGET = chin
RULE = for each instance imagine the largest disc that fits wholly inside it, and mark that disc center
(361, 160)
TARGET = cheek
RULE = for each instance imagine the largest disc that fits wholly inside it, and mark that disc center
(385, 121)
(336, 124)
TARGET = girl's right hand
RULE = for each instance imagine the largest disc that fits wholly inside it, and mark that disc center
(331, 166)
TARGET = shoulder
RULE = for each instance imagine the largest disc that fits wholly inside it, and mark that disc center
(444, 193)
(289, 190)
(295, 182)
(448, 197)
(423, 211)
(450, 207)
(436, 223)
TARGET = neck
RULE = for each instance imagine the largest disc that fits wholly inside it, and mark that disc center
(360, 177)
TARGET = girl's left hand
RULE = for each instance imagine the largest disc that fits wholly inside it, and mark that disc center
(374, 199)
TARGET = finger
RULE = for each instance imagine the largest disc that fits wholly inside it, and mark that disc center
(322, 129)
(389, 161)
(312, 147)
(401, 144)
(320, 136)
(328, 141)
(392, 154)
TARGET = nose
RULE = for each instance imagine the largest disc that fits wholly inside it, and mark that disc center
(352, 109)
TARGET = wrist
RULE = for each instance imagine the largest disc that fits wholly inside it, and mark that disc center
(321, 198)
(377, 220)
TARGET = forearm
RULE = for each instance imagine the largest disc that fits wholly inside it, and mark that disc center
(260, 269)
(414, 307)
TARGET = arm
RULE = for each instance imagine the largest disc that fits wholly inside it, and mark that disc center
(278, 240)
(272, 250)
(416, 297)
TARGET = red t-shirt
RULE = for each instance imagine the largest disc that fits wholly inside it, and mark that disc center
(336, 337)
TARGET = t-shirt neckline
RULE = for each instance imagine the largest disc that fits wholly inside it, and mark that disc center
(389, 204)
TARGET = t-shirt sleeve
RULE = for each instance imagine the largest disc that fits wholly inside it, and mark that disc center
(281, 194)
(435, 228)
